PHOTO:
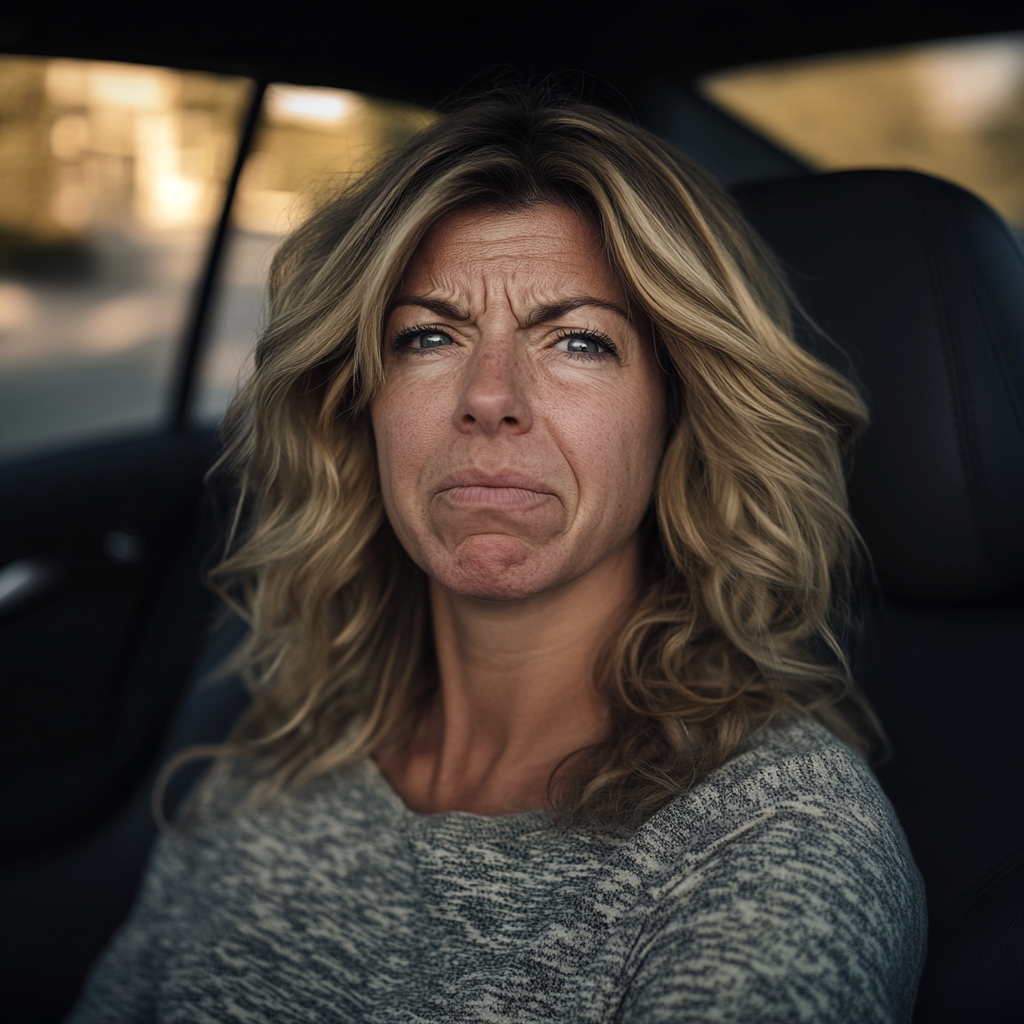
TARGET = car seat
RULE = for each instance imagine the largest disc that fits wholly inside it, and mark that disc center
(921, 285)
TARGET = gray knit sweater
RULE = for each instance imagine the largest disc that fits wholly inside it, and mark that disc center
(779, 889)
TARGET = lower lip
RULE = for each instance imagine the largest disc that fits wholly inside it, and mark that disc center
(495, 497)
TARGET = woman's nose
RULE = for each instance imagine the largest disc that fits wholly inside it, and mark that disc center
(494, 390)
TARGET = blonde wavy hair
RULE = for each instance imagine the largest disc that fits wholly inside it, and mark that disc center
(749, 538)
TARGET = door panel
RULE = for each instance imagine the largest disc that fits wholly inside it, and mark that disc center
(91, 663)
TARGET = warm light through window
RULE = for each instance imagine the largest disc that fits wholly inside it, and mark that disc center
(953, 108)
(112, 177)
(290, 104)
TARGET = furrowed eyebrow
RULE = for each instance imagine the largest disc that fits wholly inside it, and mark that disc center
(542, 314)
(539, 315)
(445, 309)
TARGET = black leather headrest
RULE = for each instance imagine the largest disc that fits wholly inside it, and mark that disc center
(922, 285)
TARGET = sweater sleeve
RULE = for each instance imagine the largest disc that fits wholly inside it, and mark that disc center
(808, 913)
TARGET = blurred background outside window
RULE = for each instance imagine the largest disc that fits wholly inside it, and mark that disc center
(954, 109)
(112, 181)
(310, 143)
(112, 178)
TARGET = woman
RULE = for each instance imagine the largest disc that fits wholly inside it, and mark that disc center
(545, 553)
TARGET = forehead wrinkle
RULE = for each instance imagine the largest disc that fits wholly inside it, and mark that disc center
(463, 290)
(454, 281)
(441, 295)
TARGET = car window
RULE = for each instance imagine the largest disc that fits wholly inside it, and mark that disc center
(953, 108)
(112, 179)
(309, 143)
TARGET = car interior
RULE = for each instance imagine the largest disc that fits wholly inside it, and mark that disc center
(912, 284)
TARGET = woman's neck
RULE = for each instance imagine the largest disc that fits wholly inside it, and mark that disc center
(516, 692)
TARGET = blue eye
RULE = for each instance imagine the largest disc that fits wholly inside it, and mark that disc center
(434, 339)
(420, 338)
(584, 344)
(578, 344)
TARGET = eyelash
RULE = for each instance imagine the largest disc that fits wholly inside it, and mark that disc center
(406, 335)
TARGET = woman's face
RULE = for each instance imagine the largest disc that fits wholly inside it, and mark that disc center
(522, 417)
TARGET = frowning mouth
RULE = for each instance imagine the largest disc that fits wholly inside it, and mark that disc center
(508, 490)
(494, 497)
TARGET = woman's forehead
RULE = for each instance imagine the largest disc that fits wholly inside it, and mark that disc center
(546, 252)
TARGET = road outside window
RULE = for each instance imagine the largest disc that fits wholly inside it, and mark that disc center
(112, 178)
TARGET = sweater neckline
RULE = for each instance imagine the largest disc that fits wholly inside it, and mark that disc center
(493, 826)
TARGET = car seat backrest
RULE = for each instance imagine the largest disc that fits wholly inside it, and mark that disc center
(920, 286)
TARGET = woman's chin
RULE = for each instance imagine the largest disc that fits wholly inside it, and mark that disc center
(497, 567)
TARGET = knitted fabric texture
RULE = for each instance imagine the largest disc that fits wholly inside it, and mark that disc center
(779, 889)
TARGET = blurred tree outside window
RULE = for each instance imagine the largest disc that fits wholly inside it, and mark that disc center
(309, 144)
(112, 179)
(951, 108)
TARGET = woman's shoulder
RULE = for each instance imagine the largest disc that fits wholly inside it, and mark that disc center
(792, 762)
(227, 818)
(794, 779)
(786, 862)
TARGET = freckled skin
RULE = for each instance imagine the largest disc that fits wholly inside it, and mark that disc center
(505, 396)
